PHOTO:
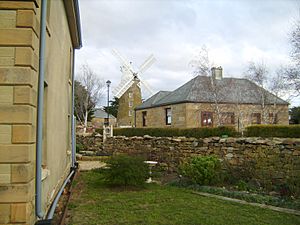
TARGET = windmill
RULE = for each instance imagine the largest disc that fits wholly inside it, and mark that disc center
(129, 89)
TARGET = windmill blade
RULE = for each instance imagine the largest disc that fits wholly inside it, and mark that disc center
(124, 88)
(149, 61)
(146, 85)
(121, 85)
(122, 60)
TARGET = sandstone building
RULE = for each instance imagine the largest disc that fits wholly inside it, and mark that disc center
(100, 117)
(22, 63)
(212, 101)
(127, 103)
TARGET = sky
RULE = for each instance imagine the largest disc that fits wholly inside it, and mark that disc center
(234, 32)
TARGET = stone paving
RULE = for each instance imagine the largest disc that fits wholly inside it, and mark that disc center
(89, 165)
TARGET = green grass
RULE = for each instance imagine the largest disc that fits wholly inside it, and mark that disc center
(92, 203)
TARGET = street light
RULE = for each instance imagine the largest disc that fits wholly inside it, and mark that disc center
(108, 84)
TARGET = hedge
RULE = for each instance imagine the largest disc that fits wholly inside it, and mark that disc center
(175, 132)
(287, 131)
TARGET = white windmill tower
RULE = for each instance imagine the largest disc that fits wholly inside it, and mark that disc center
(129, 89)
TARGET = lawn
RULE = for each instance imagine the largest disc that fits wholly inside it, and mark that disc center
(92, 202)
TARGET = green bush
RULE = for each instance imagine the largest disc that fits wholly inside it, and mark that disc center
(175, 132)
(202, 170)
(126, 171)
(291, 131)
(79, 147)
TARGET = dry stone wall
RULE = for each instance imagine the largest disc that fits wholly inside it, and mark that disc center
(268, 160)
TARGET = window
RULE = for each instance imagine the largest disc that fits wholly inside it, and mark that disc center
(144, 117)
(130, 103)
(227, 118)
(273, 119)
(130, 94)
(130, 113)
(206, 119)
(256, 118)
(168, 116)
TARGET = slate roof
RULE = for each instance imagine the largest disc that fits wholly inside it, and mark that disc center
(227, 90)
(99, 113)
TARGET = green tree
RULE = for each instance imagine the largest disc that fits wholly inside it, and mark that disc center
(295, 115)
(113, 108)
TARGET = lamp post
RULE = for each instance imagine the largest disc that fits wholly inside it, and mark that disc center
(108, 84)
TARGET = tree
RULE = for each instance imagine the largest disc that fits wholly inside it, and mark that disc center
(295, 115)
(113, 108)
(93, 86)
(201, 63)
(80, 94)
(292, 71)
(202, 66)
(258, 73)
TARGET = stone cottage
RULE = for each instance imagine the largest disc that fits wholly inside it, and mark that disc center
(209, 101)
(37, 43)
(100, 118)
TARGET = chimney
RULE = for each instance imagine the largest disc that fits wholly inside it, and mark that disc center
(217, 72)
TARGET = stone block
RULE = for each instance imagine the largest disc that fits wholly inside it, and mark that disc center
(20, 212)
(6, 95)
(27, 18)
(16, 153)
(18, 5)
(18, 76)
(25, 56)
(5, 134)
(25, 95)
(17, 114)
(5, 174)
(7, 56)
(23, 134)
(7, 19)
(4, 213)
(18, 37)
(17, 192)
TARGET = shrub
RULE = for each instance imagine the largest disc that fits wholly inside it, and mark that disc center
(202, 170)
(291, 131)
(79, 147)
(175, 132)
(126, 171)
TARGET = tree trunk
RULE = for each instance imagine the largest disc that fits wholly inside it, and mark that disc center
(85, 121)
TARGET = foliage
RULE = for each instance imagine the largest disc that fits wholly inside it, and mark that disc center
(79, 147)
(159, 205)
(291, 131)
(202, 169)
(249, 197)
(126, 171)
(113, 108)
(295, 115)
(175, 132)
(81, 93)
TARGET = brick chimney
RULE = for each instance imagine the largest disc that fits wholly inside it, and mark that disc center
(217, 72)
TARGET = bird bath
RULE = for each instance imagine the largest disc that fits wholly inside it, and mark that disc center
(151, 164)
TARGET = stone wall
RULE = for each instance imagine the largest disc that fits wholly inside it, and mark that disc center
(269, 159)
(19, 49)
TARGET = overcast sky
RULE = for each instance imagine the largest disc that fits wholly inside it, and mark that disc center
(235, 32)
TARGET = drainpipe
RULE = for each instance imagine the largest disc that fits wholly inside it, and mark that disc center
(72, 114)
(40, 104)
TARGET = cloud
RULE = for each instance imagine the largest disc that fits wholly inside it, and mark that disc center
(234, 31)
